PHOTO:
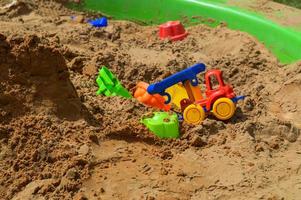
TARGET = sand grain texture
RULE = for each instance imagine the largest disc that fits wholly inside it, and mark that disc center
(58, 140)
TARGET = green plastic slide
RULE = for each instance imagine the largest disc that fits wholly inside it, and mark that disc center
(284, 42)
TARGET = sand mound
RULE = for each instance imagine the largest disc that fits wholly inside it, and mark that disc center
(58, 140)
(36, 94)
(35, 79)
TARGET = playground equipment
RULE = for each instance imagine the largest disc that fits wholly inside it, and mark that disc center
(220, 98)
(284, 41)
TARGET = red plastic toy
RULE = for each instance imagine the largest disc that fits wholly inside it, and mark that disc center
(213, 92)
(172, 30)
(220, 99)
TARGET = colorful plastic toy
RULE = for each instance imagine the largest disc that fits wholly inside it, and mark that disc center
(177, 93)
(156, 101)
(109, 85)
(100, 22)
(186, 76)
(172, 30)
(163, 124)
(220, 99)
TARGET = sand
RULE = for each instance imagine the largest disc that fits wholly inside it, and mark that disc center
(61, 141)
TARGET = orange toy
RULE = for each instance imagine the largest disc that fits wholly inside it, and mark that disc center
(156, 101)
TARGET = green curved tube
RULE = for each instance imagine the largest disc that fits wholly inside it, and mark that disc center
(284, 42)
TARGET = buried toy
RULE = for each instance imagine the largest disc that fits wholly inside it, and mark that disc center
(183, 90)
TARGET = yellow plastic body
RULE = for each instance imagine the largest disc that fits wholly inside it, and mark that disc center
(194, 114)
(194, 92)
(177, 93)
(223, 108)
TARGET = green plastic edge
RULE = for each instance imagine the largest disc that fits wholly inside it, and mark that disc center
(283, 42)
(160, 128)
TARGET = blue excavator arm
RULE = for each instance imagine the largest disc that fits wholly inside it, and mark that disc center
(187, 74)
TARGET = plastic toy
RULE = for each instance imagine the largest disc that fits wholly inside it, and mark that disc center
(172, 30)
(187, 76)
(100, 22)
(109, 85)
(163, 124)
(220, 98)
(284, 41)
(156, 101)
(177, 93)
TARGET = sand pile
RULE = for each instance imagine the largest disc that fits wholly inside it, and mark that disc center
(61, 141)
(35, 85)
(38, 104)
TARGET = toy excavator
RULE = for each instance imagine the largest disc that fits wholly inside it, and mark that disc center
(184, 91)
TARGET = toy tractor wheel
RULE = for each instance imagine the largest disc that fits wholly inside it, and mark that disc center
(194, 114)
(223, 108)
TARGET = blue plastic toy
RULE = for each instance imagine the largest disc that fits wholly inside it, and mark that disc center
(100, 22)
(182, 76)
